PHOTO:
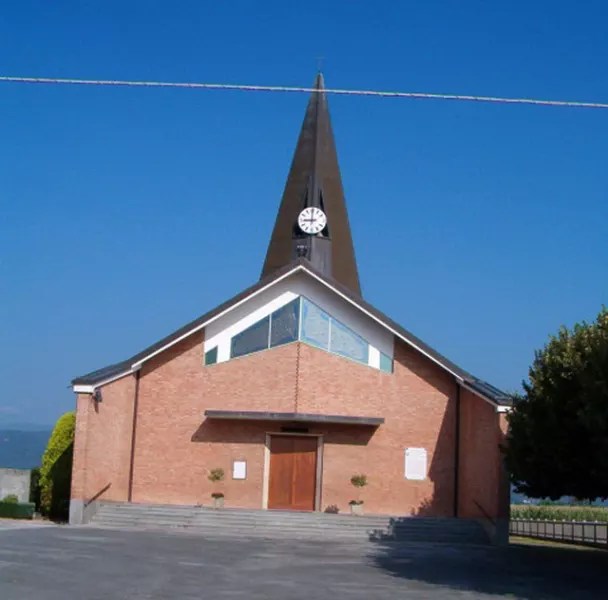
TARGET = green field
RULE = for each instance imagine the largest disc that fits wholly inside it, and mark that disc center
(560, 513)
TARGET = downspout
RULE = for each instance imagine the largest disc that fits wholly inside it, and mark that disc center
(133, 434)
(457, 452)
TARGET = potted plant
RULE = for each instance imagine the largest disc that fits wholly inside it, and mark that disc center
(216, 475)
(356, 506)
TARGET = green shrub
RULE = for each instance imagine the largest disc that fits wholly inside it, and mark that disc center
(560, 513)
(14, 510)
(10, 499)
(359, 481)
(56, 470)
(216, 475)
(35, 487)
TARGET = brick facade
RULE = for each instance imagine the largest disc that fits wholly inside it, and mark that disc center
(175, 446)
(482, 431)
(102, 444)
(149, 441)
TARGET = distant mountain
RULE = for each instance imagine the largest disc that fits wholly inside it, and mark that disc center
(22, 449)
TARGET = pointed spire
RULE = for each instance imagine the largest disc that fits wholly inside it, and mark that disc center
(314, 181)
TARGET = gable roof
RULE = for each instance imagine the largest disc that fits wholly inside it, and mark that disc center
(130, 365)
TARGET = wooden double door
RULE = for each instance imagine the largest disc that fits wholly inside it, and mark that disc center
(293, 472)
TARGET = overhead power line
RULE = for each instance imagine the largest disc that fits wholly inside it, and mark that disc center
(292, 89)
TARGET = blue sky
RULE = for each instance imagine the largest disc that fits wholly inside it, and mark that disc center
(127, 212)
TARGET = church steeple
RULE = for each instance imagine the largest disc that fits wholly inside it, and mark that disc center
(314, 182)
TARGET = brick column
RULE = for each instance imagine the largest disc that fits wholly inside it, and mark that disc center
(79, 466)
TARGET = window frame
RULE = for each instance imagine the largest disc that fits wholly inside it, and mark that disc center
(385, 365)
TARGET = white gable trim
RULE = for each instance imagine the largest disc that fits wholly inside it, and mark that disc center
(140, 362)
(374, 318)
(84, 389)
(499, 408)
(220, 333)
(90, 388)
(289, 273)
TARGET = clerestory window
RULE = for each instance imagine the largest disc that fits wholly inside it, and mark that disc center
(302, 320)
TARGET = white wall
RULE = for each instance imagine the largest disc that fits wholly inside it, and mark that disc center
(220, 332)
(17, 482)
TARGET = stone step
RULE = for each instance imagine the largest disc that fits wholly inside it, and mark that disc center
(276, 525)
(353, 524)
(257, 512)
(211, 522)
(376, 533)
(235, 523)
(305, 536)
(217, 516)
(235, 511)
(279, 528)
(226, 515)
(298, 533)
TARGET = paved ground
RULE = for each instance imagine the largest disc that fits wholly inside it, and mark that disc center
(61, 563)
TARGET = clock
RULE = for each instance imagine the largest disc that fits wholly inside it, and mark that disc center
(312, 220)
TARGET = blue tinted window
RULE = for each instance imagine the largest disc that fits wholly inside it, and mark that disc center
(253, 339)
(386, 363)
(211, 356)
(284, 324)
(347, 343)
(301, 319)
(315, 325)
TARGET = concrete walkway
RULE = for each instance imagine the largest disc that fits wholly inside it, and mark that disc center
(24, 524)
(65, 563)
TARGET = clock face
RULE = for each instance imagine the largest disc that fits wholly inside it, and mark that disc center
(312, 220)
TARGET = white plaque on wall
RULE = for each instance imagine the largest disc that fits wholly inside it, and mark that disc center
(415, 464)
(239, 469)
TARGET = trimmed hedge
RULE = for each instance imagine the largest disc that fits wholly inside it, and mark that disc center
(10, 510)
(56, 470)
(559, 513)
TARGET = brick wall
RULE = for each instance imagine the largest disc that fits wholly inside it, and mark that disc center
(175, 446)
(102, 445)
(481, 471)
(417, 402)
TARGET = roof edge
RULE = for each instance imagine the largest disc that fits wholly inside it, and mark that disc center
(91, 381)
(118, 370)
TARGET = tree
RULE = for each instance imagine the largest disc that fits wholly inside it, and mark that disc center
(56, 470)
(557, 443)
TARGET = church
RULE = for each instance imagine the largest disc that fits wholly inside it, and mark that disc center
(294, 387)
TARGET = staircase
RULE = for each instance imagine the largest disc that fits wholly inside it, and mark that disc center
(237, 523)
